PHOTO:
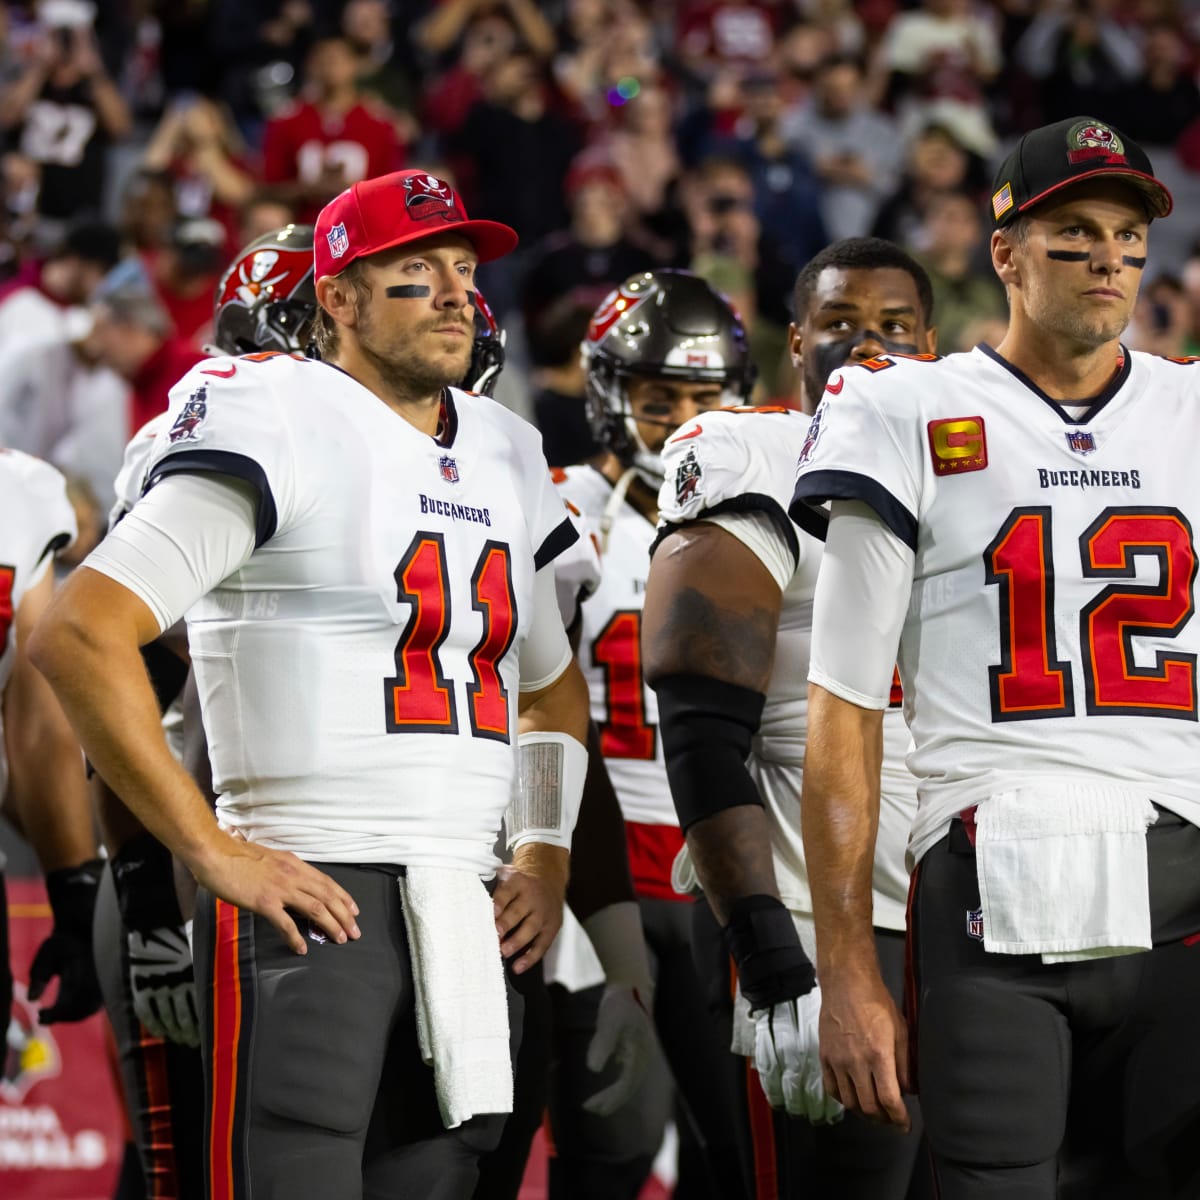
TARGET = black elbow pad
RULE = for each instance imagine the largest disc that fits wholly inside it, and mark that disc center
(707, 725)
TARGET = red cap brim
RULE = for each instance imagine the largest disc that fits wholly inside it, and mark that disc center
(1153, 189)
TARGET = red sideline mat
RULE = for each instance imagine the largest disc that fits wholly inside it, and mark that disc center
(62, 1128)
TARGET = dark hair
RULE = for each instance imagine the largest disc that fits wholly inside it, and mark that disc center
(861, 254)
(325, 328)
(94, 242)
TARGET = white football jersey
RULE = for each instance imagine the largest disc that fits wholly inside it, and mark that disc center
(610, 650)
(1050, 632)
(359, 674)
(744, 460)
(131, 478)
(38, 521)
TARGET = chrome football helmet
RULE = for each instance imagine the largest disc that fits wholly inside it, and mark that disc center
(662, 324)
(265, 300)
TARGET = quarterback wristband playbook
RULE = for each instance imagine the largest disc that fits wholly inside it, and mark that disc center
(771, 963)
(546, 806)
(706, 728)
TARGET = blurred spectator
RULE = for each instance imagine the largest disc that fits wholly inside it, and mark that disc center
(489, 37)
(260, 214)
(787, 191)
(442, 29)
(1191, 290)
(366, 25)
(49, 308)
(939, 58)
(592, 256)
(1081, 55)
(331, 136)
(59, 403)
(199, 148)
(1161, 104)
(839, 21)
(148, 212)
(950, 247)
(1162, 319)
(986, 331)
(731, 251)
(558, 380)
(936, 163)
(611, 65)
(184, 275)
(132, 334)
(728, 33)
(519, 149)
(641, 148)
(68, 111)
(853, 147)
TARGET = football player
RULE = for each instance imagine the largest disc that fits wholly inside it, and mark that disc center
(727, 625)
(41, 770)
(1016, 524)
(363, 552)
(660, 349)
(264, 302)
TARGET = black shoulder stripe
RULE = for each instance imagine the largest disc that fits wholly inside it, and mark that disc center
(815, 487)
(559, 539)
(747, 502)
(224, 462)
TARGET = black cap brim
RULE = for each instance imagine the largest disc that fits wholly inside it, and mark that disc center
(1158, 197)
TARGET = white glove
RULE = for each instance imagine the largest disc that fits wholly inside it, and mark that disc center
(787, 1058)
(164, 988)
(624, 1031)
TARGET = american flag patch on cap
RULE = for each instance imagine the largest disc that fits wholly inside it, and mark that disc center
(1002, 201)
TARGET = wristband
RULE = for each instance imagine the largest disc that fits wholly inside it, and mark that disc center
(546, 806)
(771, 963)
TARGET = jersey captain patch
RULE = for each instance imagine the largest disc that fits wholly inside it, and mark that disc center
(958, 445)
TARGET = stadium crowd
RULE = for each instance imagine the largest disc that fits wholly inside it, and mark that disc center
(144, 144)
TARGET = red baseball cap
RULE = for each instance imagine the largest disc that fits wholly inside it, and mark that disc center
(390, 210)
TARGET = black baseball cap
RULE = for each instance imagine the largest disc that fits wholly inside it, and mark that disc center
(1056, 156)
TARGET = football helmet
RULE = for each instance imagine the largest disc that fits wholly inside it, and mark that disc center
(487, 351)
(265, 300)
(662, 324)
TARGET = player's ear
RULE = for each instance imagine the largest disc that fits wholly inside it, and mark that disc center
(930, 346)
(795, 343)
(1004, 258)
(338, 298)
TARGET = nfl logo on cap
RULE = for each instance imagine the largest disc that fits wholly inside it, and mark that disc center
(339, 243)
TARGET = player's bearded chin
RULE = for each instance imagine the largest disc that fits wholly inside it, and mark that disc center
(402, 365)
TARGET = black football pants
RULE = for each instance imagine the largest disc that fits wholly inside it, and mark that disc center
(1075, 1081)
(314, 1083)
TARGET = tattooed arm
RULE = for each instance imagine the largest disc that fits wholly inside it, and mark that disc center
(711, 612)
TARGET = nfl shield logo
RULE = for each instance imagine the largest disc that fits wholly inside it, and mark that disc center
(448, 468)
(1080, 441)
(339, 243)
(975, 923)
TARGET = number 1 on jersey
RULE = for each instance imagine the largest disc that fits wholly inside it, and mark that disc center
(618, 650)
(419, 698)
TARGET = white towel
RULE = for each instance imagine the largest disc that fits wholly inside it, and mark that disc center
(1062, 871)
(461, 1000)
